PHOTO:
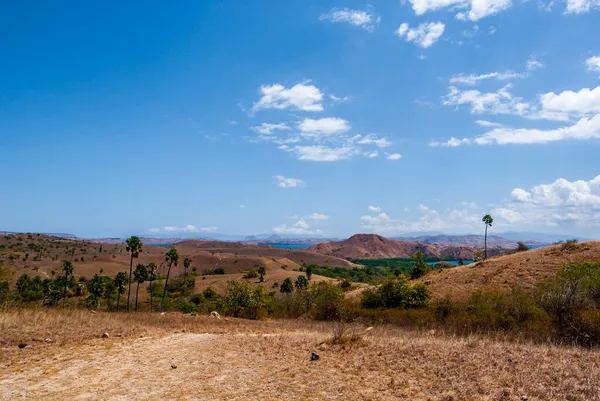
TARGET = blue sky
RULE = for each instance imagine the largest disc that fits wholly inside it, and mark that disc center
(300, 117)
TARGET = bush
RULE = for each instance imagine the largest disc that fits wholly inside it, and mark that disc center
(244, 300)
(251, 274)
(521, 247)
(185, 306)
(219, 270)
(396, 293)
(327, 300)
(286, 286)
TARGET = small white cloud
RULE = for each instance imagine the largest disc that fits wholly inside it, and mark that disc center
(473, 79)
(267, 129)
(318, 217)
(184, 229)
(451, 143)
(374, 140)
(425, 35)
(593, 63)
(375, 209)
(301, 96)
(338, 99)
(485, 123)
(581, 6)
(286, 182)
(582, 102)
(357, 18)
(324, 153)
(393, 156)
(533, 64)
(323, 126)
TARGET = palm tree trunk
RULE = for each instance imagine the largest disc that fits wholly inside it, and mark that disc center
(129, 286)
(65, 292)
(162, 302)
(118, 298)
(136, 294)
(485, 244)
(150, 295)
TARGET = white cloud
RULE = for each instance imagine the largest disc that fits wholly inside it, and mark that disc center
(473, 79)
(393, 156)
(451, 143)
(582, 102)
(374, 209)
(338, 99)
(500, 102)
(303, 226)
(320, 153)
(184, 229)
(374, 140)
(533, 64)
(371, 155)
(485, 123)
(425, 35)
(323, 126)
(585, 128)
(286, 182)
(318, 217)
(581, 6)
(593, 63)
(301, 96)
(267, 129)
(357, 18)
(477, 8)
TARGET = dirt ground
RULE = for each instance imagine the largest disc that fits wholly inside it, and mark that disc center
(179, 357)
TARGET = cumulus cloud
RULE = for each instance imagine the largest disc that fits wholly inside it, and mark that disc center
(267, 129)
(323, 126)
(477, 8)
(302, 96)
(286, 182)
(582, 102)
(307, 225)
(499, 102)
(581, 6)
(393, 156)
(593, 63)
(374, 209)
(424, 35)
(374, 140)
(361, 19)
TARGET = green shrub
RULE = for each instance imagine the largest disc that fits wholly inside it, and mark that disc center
(327, 300)
(251, 274)
(396, 293)
(219, 270)
(185, 306)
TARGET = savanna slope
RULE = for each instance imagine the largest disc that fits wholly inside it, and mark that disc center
(501, 273)
(372, 246)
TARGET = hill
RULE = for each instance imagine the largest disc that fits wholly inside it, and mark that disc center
(372, 246)
(500, 273)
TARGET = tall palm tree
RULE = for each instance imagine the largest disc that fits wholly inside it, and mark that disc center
(140, 274)
(186, 265)
(151, 278)
(172, 256)
(67, 267)
(120, 282)
(135, 247)
(488, 220)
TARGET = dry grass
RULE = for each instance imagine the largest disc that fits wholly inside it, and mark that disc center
(525, 269)
(239, 359)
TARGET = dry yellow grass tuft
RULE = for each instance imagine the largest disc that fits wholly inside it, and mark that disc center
(270, 360)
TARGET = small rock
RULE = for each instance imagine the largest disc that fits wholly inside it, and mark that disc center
(314, 356)
(48, 340)
(105, 335)
(23, 345)
(173, 366)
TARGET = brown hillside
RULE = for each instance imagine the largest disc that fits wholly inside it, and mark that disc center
(525, 269)
(372, 246)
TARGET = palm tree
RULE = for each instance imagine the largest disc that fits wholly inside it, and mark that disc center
(173, 258)
(262, 271)
(67, 267)
(488, 220)
(186, 265)
(141, 274)
(151, 278)
(135, 247)
(120, 281)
